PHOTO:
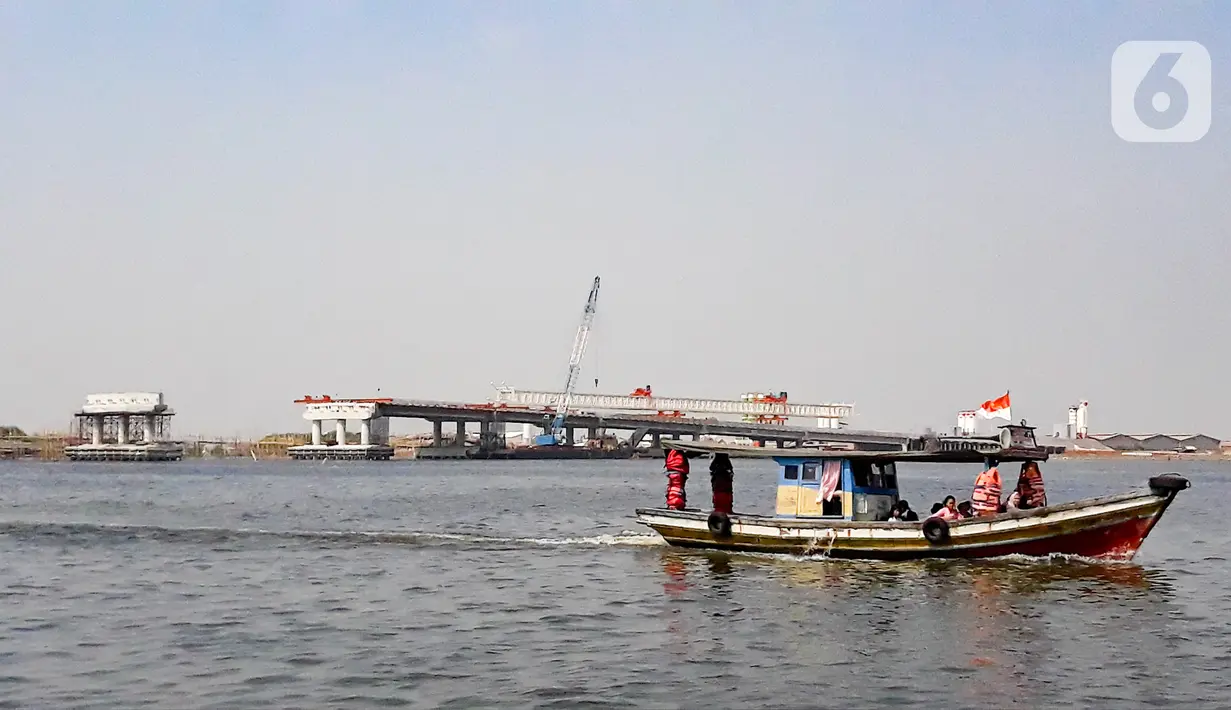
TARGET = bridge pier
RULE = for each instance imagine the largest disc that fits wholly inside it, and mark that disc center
(460, 439)
(340, 432)
(569, 440)
(437, 433)
(316, 432)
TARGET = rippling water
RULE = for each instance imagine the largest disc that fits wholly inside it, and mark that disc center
(526, 584)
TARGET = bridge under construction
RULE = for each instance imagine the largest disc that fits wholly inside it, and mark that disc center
(642, 415)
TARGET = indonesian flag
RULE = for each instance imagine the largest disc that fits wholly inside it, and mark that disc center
(996, 408)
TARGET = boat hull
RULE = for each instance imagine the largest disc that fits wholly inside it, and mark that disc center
(1113, 527)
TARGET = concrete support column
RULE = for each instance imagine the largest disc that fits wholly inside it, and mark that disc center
(121, 436)
(316, 432)
(437, 433)
(340, 430)
(149, 429)
(591, 434)
(461, 434)
(365, 432)
(778, 443)
(656, 440)
(696, 437)
(96, 434)
(568, 436)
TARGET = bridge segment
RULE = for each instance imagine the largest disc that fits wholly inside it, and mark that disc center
(372, 416)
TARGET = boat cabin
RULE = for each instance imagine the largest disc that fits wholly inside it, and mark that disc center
(854, 485)
(864, 488)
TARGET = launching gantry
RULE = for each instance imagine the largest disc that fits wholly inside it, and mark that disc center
(827, 416)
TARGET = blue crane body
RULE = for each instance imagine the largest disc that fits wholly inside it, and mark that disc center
(555, 431)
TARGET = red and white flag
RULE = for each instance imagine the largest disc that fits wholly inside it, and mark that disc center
(996, 408)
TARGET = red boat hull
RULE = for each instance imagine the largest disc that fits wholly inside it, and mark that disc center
(1116, 541)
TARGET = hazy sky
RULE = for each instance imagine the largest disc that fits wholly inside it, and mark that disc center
(908, 206)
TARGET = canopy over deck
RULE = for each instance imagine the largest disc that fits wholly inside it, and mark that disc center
(922, 450)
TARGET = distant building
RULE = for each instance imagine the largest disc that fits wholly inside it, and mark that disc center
(1158, 442)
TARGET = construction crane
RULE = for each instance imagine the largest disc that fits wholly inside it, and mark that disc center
(555, 431)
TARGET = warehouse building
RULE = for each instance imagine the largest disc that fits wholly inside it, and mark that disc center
(1159, 442)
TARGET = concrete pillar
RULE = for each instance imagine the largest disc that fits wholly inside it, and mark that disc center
(121, 436)
(340, 430)
(365, 432)
(696, 437)
(591, 434)
(316, 432)
(656, 440)
(149, 429)
(461, 434)
(778, 443)
(527, 434)
(96, 434)
(568, 436)
(437, 432)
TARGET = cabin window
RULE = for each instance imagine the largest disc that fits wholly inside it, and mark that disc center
(870, 475)
(861, 471)
(791, 472)
(809, 472)
(889, 476)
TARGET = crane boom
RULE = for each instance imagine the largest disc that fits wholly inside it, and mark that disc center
(574, 366)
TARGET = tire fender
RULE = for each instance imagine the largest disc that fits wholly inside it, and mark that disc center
(719, 525)
(936, 531)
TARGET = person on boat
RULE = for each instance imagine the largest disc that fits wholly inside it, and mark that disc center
(948, 510)
(721, 481)
(965, 510)
(986, 496)
(903, 513)
(677, 478)
(1029, 493)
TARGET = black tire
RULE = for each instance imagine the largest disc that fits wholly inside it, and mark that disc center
(719, 524)
(1168, 483)
(936, 531)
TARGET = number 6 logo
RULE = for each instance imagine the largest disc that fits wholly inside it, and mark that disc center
(1161, 92)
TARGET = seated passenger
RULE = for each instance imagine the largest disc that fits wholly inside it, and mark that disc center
(965, 510)
(948, 510)
(903, 513)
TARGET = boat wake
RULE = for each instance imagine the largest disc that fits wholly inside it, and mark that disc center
(85, 532)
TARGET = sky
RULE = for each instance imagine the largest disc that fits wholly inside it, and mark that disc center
(912, 207)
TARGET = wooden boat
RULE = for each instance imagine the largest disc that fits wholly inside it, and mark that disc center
(855, 523)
